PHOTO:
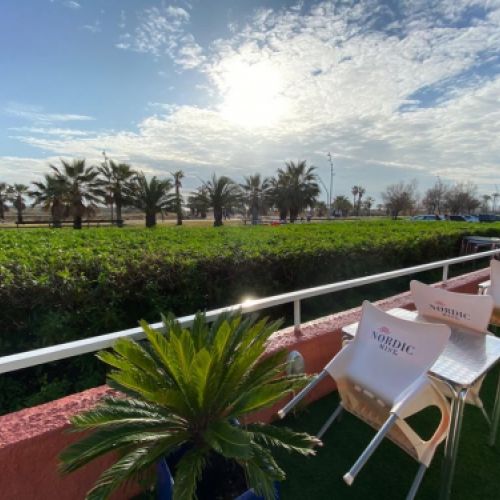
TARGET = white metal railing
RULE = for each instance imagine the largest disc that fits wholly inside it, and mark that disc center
(61, 351)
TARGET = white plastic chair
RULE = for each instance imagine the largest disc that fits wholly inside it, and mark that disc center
(463, 310)
(494, 290)
(382, 379)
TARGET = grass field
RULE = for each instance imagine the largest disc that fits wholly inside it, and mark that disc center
(390, 472)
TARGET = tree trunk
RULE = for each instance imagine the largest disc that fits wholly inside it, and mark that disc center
(56, 213)
(119, 220)
(178, 207)
(217, 217)
(293, 215)
(179, 213)
(19, 215)
(255, 214)
(2, 212)
(150, 219)
(283, 213)
(77, 222)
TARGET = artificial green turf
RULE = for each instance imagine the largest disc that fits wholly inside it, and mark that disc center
(390, 471)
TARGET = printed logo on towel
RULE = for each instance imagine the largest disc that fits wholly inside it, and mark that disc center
(388, 343)
(449, 312)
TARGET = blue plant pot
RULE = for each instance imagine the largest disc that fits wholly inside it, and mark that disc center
(165, 484)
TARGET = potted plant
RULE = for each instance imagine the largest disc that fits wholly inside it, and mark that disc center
(185, 390)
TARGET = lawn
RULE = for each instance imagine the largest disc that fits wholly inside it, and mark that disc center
(390, 472)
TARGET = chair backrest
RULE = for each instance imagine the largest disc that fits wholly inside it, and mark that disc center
(494, 289)
(390, 353)
(462, 309)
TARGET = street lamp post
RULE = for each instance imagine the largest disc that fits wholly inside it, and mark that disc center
(331, 179)
(328, 200)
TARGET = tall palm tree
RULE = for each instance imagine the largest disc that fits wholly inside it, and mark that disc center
(222, 194)
(50, 195)
(4, 195)
(18, 191)
(342, 205)
(368, 203)
(150, 196)
(361, 192)
(199, 203)
(116, 178)
(295, 188)
(354, 191)
(83, 189)
(178, 175)
(256, 190)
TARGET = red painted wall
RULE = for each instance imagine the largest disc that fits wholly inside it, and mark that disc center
(31, 439)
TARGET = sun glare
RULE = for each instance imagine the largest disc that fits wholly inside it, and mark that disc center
(253, 95)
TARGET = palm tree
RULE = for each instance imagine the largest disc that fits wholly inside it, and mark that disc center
(256, 190)
(185, 390)
(83, 188)
(178, 197)
(18, 191)
(368, 203)
(150, 197)
(117, 176)
(4, 195)
(222, 194)
(295, 188)
(199, 203)
(361, 192)
(50, 195)
(354, 191)
(342, 205)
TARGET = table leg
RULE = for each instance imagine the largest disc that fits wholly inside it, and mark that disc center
(451, 445)
(496, 415)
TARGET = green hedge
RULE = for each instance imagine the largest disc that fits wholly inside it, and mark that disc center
(61, 285)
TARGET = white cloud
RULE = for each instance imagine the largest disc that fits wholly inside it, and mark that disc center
(95, 27)
(72, 4)
(162, 31)
(36, 114)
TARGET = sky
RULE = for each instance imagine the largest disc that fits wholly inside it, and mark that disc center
(394, 90)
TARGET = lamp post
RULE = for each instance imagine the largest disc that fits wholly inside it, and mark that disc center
(331, 178)
(328, 200)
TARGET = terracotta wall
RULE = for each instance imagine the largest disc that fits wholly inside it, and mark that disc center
(31, 439)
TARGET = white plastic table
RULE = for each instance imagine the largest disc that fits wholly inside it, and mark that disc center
(466, 358)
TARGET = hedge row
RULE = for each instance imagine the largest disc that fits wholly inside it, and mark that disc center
(61, 285)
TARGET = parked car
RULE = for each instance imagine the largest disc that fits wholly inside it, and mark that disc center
(428, 217)
(464, 218)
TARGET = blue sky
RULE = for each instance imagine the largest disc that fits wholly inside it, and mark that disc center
(396, 90)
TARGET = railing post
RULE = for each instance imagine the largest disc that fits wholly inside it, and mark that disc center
(296, 314)
(445, 272)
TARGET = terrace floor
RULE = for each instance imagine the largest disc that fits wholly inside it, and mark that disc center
(390, 472)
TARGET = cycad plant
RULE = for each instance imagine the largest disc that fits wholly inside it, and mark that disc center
(185, 389)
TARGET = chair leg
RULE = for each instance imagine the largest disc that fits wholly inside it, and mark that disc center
(360, 462)
(485, 415)
(330, 421)
(416, 482)
(301, 395)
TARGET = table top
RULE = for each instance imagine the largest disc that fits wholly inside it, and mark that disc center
(482, 239)
(467, 357)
